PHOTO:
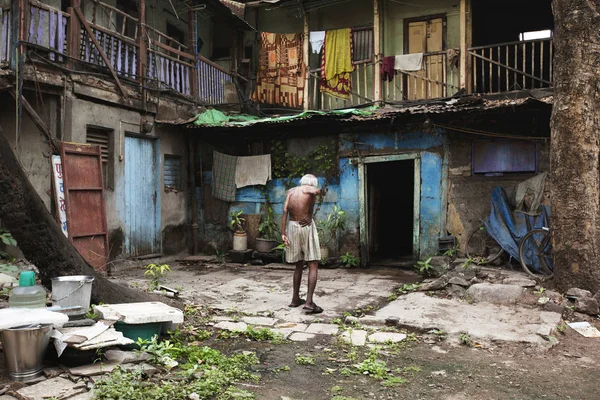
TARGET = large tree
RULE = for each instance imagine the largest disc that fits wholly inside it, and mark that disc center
(574, 160)
(40, 239)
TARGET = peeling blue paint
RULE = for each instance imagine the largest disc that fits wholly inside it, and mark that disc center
(345, 192)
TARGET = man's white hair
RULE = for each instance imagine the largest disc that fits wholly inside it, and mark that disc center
(309, 180)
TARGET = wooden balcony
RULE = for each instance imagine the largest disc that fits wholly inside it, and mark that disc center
(169, 66)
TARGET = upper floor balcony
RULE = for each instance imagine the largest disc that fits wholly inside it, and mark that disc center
(93, 36)
(463, 47)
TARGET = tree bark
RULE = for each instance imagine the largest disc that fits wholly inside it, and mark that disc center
(574, 156)
(41, 239)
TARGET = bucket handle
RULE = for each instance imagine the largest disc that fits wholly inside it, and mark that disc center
(61, 299)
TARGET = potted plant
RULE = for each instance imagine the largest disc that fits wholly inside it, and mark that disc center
(328, 229)
(240, 239)
(268, 231)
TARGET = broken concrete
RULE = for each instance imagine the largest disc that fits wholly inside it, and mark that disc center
(59, 388)
(232, 326)
(495, 294)
(385, 337)
(457, 280)
(124, 357)
(579, 293)
(355, 337)
(262, 321)
(481, 321)
(322, 329)
(301, 337)
(526, 283)
(587, 305)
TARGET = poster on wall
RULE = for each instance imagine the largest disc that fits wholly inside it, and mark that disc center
(59, 193)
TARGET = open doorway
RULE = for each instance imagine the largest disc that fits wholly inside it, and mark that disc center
(391, 211)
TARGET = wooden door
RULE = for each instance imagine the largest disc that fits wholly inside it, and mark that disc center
(142, 196)
(84, 197)
(426, 36)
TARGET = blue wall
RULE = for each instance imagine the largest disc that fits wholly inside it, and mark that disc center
(345, 193)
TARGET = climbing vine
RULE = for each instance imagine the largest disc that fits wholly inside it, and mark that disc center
(322, 161)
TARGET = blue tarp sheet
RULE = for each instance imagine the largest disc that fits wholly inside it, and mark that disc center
(508, 227)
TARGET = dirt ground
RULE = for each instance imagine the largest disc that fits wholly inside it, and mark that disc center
(568, 371)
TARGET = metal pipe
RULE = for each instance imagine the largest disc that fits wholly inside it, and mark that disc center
(192, 161)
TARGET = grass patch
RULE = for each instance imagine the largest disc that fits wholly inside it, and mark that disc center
(305, 360)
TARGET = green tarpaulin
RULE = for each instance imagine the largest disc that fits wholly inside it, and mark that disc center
(218, 118)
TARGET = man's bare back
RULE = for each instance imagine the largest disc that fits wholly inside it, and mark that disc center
(299, 206)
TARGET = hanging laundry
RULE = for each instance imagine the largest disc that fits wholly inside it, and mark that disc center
(316, 41)
(387, 68)
(252, 170)
(409, 62)
(336, 63)
(223, 185)
(281, 72)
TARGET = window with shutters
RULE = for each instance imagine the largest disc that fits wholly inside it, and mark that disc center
(104, 138)
(172, 173)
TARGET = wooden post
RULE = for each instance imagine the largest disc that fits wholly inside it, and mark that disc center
(306, 56)
(143, 52)
(193, 46)
(74, 34)
(464, 56)
(377, 51)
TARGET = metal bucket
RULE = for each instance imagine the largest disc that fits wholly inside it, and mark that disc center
(24, 350)
(70, 291)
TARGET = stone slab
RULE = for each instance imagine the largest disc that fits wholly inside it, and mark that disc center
(94, 369)
(293, 326)
(384, 337)
(262, 321)
(301, 337)
(523, 282)
(124, 357)
(232, 326)
(141, 313)
(60, 388)
(323, 329)
(84, 396)
(494, 293)
(482, 321)
(356, 338)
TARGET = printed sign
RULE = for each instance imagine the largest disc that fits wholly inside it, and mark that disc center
(59, 189)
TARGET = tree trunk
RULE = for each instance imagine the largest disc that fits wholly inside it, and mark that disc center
(41, 239)
(574, 155)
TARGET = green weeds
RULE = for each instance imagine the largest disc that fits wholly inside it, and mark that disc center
(305, 360)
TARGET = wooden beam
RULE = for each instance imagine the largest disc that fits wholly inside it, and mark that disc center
(143, 52)
(90, 33)
(37, 120)
(306, 56)
(193, 46)
(464, 56)
(377, 51)
(73, 34)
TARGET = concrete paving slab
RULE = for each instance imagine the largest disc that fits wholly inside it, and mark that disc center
(94, 369)
(124, 357)
(262, 321)
(480, 321)
(59, 388)
(355, 337)
(232, 326)
(523, 282)
(301, 337)
(141, 313)
(294, 327)
(384, 337)
(323, 329)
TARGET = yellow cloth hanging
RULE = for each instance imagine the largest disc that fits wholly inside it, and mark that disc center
(337, 63)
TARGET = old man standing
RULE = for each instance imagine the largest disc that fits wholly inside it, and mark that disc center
(301, 239)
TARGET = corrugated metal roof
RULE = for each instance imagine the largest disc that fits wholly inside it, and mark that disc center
(466, 104)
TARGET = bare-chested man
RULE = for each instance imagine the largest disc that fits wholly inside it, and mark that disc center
(301, 239)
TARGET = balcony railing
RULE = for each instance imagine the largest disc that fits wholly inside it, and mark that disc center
(362, 89)
(511, 66)
(169, 64)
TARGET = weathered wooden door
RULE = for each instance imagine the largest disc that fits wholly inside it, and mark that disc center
(84, 196)
(426, 36)
(142, 196)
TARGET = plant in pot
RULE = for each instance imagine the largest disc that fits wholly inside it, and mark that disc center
(328, 229)
(240, 239)
(268, 231)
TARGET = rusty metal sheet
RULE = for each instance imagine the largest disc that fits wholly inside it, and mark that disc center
(84, 196)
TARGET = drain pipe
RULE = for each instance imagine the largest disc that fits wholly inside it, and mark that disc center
(194, 203)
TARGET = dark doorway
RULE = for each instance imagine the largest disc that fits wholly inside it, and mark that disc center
(390, 187)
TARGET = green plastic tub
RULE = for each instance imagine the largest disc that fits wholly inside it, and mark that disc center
(139, 331)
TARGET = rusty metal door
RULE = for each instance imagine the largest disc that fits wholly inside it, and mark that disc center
(142, 196)
(84, 197)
